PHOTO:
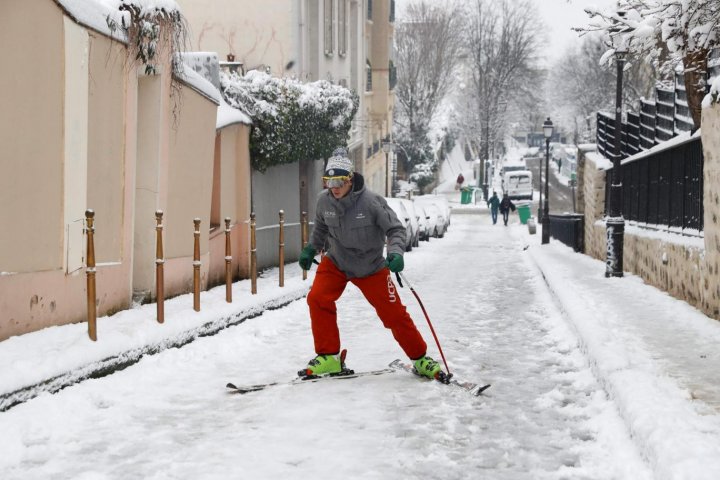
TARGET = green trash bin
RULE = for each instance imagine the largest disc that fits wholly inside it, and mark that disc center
(523, 210)
(466, 195)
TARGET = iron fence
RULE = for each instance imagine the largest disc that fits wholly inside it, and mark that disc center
(665, 187)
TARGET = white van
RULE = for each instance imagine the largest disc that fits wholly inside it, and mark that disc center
(518, 184)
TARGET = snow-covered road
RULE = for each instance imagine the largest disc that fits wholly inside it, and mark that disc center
(169, 416)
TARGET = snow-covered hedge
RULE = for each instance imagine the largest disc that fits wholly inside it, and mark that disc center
(293, 120)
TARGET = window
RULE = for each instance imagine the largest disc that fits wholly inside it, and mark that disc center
(368, 73)
(369, 10)
(342, 27)
(329, 27)
(392, 75)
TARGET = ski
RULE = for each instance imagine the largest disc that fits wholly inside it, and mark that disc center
(474, 388)
(345, 374)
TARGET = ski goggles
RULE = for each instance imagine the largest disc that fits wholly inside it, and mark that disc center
(336, 182)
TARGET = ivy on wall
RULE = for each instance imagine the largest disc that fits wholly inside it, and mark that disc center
(292, 120)
(149, 29)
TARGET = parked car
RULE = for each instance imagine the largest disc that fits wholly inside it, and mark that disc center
(443, 207)
(404, 218)
(423, 222)
(436, 219)
(414, 221)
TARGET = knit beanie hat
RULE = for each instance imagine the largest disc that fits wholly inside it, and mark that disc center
(339, 165)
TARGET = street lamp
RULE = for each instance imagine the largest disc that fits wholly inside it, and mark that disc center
(387, 147)
(547, 132)
(485, 180)
(615, 222)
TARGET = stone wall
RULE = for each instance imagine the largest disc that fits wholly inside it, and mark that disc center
(591, 200)
(710, 283)
(687, 268)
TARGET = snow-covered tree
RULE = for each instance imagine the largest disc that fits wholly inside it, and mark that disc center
(570, 77)
(503, 48)
(427, 44)
(668, 32)
(292, 120)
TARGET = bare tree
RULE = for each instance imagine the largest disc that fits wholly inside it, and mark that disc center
(579, 85)
(502, 44)
(428, 42)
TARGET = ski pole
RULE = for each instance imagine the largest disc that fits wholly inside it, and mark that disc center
(437, 342)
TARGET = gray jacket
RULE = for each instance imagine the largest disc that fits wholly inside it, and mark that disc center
(352, 230)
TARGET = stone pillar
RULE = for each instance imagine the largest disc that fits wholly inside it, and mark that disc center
(711, 205)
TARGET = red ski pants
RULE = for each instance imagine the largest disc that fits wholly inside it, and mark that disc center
(382, 294)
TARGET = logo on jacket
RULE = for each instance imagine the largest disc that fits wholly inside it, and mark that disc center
(359, 216)
(329, 213)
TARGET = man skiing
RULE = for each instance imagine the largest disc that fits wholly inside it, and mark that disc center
(351, 226)
(494, 203)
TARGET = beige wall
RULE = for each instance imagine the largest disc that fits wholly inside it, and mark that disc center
(106, 147)
(233, 150)
(53, 171)
(151, 172)
(31, 137)
(255, 32)
(191, 147)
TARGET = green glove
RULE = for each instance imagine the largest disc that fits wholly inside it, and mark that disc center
(306, 257)
(395, 262)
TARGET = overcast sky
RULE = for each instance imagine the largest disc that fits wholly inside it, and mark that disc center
(560, 16)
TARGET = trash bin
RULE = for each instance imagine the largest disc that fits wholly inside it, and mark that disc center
(466, 195)
(532, 226)
(523, 210)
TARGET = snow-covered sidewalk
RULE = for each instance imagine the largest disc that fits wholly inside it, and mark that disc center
(54, 358)
(656, 356)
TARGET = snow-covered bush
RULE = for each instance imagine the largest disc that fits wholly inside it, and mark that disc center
(292, 120)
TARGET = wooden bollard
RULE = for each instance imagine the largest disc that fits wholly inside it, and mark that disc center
(253, 256)
(281, 249)
(159, 268)
(228, 262)
(90, 271)
(196, 267)
(304, 237)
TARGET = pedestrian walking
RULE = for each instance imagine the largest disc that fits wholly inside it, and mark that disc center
(505, 206)
(494, 204)
(460, 180)
(352, 225)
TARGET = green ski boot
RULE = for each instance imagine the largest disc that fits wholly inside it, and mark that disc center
(427, 367)
(325, 365)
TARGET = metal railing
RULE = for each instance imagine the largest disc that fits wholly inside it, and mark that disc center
(665, 187)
